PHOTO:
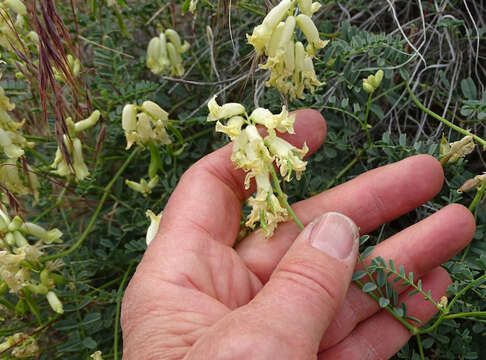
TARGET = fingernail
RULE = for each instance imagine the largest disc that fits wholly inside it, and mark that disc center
(334, 234)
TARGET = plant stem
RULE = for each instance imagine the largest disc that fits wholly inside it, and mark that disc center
(421, 348)
(477, 197)
(50, 208)
(411, 328)
(7, 303)
(445, 312)
(444, 121)
(106, 190)
(365, 121)
(345, 169)
(283, 198)
(344, 112)
(118, 307)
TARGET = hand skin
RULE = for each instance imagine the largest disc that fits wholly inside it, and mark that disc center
(194, 296)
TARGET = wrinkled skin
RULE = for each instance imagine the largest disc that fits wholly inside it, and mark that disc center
(194, 296)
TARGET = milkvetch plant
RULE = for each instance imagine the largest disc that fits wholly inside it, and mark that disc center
(164, 53)
(255, 154)
(74, 168)
(290, 63)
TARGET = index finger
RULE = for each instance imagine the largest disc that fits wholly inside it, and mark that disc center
(208, 198)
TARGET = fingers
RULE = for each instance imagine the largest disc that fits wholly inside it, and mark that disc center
(208, 197)
(419, 248)
(297, 304)
(381, 336)
(371, 199)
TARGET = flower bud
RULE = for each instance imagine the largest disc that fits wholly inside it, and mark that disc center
(80, 168)
(175, 39)
(153, 227)
(129, 118)
(54, 302)
(15, 224)
(228, 110)
(88, 122)
(276, 15)
(311, 33)
(305, 6)
(155, 111)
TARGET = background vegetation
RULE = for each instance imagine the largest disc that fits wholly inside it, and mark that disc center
(438, 47)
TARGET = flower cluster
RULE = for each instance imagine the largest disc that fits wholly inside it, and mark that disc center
(12, 144)
(372, 82)
(76, 166)
(13, 27)
(19, 260)
(290, 63)
(255, 154)
(144, 124)
(164, 53)
(25, 345)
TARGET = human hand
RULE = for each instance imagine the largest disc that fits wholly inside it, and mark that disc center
(194, 296)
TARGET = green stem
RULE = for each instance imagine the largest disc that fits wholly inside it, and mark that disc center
(283, 198)
(53, 206)
(7, 303)
(444, 121)
(96, 213)
(365, 121)
(411, 328)
(444, 314)
(118, 308)
(421, 348)
(477, 197)
(344, 112)
(345, 170)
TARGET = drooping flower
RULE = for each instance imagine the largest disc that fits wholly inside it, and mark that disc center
(291, 68)
(78, 167)
(255, 154)
(144, 187)
(164, 53)
(153, 227)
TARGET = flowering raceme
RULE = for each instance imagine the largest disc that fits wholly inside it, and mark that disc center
(12, 144)
(255, 154)
(75, 148)
(164, 53)
(144, 124)
(290, 64)
(20, 260)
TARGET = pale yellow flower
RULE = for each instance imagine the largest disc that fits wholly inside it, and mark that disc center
(372, 82)
(144, 187)
(225, 111)
(310, 31)
(262, 33)
(232, 127)
(288, 157)
(153, 227)
(266, 207)
(96, 355)
(54, 302)
(251, 154)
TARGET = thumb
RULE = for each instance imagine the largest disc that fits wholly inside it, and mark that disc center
(309, 285)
